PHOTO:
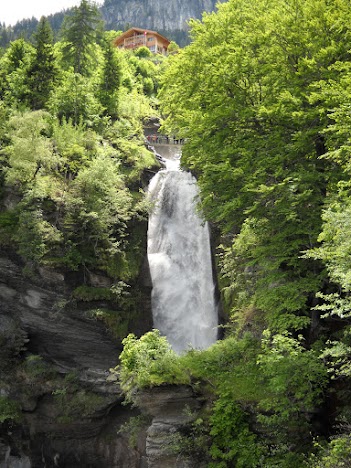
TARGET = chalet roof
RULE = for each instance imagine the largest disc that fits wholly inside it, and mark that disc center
(119, 40)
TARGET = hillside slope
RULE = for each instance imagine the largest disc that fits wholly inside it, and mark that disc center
(169, 17)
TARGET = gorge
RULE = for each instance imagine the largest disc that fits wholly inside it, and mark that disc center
(261, 99)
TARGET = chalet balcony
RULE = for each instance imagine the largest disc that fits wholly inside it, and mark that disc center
(135, 41)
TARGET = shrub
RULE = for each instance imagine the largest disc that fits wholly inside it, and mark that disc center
(9, 409)
(147, 362)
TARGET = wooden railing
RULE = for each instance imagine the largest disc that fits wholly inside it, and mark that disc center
(140, 39)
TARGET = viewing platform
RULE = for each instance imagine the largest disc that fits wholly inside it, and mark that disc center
(156, 139)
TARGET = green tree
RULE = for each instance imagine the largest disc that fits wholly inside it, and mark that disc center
(75, 99)
(111, 79)
(243, 94)
(173, 48)
(13, 73)
(146, 72)
(80, 33)
(30, 153)
(35, 236)
(336, 454)
(42, 73)
(334, 298)
(98, 208)
(143, 52)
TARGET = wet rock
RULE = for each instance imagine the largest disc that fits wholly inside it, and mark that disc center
(51, 276)
(38, 318)
(8, 460)
(172, 409)
(99, 281)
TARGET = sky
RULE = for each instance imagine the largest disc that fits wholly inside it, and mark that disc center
(12, 11)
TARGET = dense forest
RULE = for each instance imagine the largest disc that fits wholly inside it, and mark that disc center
(64, 151)
(73, 159)
(262, 99)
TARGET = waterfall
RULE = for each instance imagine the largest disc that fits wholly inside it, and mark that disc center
(179, 255)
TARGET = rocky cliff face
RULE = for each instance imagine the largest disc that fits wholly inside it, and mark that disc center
(166, 16)
(54, 366)
(59, 405)
(171, 410)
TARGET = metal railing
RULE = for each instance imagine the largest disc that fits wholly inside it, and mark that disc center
(164, 140)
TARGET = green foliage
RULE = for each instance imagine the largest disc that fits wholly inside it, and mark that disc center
(147, 362)
(233, 442)
(30, 153)
(88, 293)
(294, 380)
(14, 66)
(98, 209)
(74, 402)
(146, 72)
(75, 144)
(111, 79)
(131, 259)
(255, 283)
(335, 239)
(228, 366)
(114, 321)
(9, 410)
(80, 32)
(133, 427)
(43, 71)
(117, 292)
(4, 118)
(244, 96)
(35, 236)
(135, 105)
(75, 209)
(173, 48)
(75, 99)
(273, 386)
(337, 355)
(66, 185)
(143, 52)
(336, 454)
(8, 224)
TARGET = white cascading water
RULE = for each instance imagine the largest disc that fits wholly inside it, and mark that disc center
(179, 254)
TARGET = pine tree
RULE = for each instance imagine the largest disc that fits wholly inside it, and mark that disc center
(111, 80)
(80, 32)
(14, 66)
(43, 72)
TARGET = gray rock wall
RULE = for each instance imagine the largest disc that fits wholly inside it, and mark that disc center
(54, 362)
(154, 14)
(172, 408)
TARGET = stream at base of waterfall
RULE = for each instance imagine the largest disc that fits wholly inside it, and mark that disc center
(179, 255)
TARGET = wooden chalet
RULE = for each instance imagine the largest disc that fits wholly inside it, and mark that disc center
(137, 37)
